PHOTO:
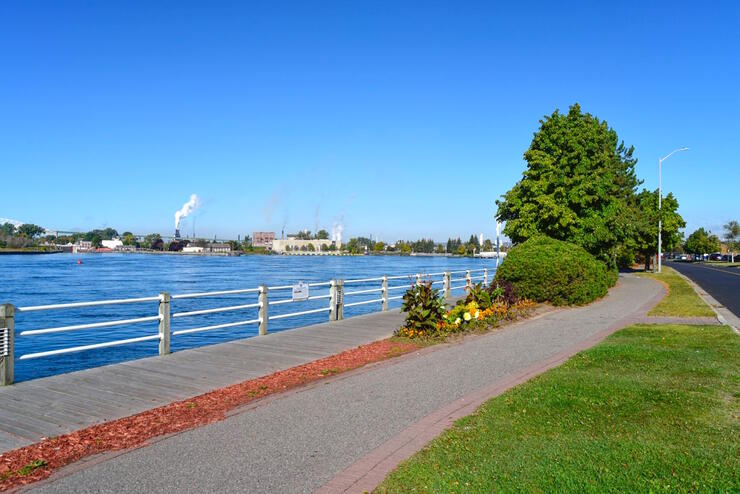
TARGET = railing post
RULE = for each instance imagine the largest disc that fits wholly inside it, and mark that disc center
(418, 279)
(485, 276)
(164, 323)
(333, 300)
(468, 282)
(264, 317)
(7, 348)
(446, 288)
(340, 300)
(384, 293)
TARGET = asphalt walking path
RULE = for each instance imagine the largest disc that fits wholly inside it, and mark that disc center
(331, 435)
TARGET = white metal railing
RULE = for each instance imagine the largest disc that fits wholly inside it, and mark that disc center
(336, 294)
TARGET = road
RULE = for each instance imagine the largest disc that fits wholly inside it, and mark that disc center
(297, 441)
(722, 283)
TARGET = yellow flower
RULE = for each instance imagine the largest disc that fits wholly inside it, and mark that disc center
(467, 316)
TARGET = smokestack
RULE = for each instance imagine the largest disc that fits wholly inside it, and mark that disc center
(177, 234)
(186, 209)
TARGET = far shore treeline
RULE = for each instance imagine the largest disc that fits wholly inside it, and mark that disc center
(34, 237)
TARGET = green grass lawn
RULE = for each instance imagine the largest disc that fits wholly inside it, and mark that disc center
(724, 264)
(682, 300)
(651, 409)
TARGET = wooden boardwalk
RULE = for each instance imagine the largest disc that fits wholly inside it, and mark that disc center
(55, 405)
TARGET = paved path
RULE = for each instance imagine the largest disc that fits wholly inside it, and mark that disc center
(300, 440)
(59, 404)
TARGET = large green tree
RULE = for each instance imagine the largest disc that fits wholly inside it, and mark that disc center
(702, 242)
(577, 185)
(30, 230)
(128, 238)
(643, 226)
(732, 237)
(7, 229)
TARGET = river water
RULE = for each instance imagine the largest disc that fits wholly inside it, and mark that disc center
(59, 278)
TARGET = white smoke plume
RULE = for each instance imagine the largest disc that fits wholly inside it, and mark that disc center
(316, 215)
(336, 234)
(186, 209)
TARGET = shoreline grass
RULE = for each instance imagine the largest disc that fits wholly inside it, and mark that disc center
(681, 301)
(652, 408)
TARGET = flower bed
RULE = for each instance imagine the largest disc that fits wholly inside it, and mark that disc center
(483, 308)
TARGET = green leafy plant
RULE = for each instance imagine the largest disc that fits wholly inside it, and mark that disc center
(423, 307)
(503, 291)
(480, 295)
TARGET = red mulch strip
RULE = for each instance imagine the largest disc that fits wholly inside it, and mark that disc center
(133, 431)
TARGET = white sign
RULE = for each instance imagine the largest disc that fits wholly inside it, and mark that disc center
(300, 291)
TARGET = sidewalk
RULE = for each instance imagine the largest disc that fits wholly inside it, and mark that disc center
(299, 441)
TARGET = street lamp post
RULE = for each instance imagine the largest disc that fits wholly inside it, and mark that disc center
(660, 201)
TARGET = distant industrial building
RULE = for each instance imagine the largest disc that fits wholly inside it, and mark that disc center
(82, 246)
(263, 239)
(219, 248)
(293, 244)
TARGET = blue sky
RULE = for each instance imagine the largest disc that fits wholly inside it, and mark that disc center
(398, 119)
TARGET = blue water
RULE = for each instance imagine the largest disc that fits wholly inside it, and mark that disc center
(58, 278)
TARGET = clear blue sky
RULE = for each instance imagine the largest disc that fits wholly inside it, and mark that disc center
(400, 119)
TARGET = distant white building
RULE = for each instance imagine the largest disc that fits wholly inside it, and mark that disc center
(82, 246)
(114, 244)
(222, 248)
(292, 244)
(192, 249)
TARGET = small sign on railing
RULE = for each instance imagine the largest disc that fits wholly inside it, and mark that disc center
(300, 292)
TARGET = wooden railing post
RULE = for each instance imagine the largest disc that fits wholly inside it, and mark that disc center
(333, 300)
(446, 288)
(263, 313)
(340, 300)
(164, 323)
(384, 293)
(7, 343)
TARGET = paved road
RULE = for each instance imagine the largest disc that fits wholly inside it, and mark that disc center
(298, 441)
(722, 283)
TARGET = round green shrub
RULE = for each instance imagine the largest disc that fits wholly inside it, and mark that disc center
(547, 270)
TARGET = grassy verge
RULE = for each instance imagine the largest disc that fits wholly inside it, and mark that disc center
(723, 264)
(652, 408)
(682, 300)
